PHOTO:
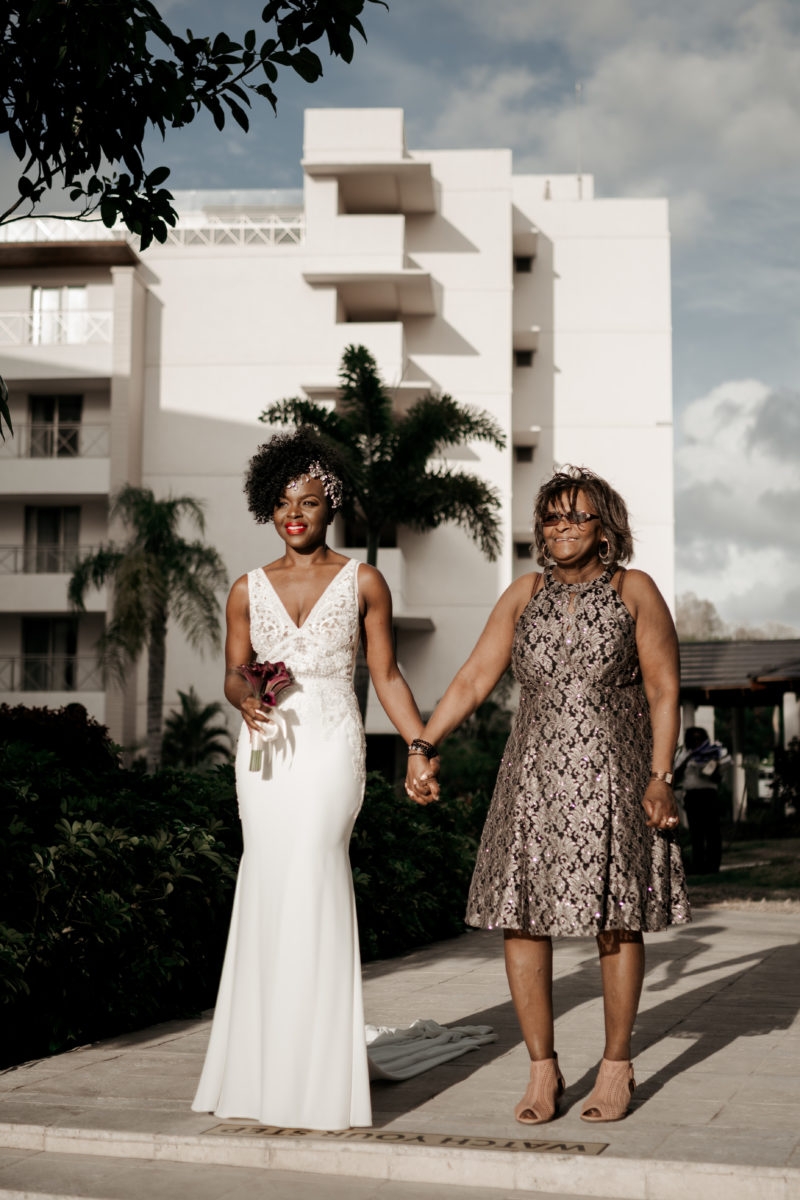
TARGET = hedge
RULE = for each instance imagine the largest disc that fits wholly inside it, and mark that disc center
(118, 885)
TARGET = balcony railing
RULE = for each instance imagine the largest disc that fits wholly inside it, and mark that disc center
(56, 229)
(41, 560)
(35, 440)
(56, 328)
(266, 229)
(50, 673)
(246, 231)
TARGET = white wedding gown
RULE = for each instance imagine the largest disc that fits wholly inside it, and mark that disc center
(287, 1043)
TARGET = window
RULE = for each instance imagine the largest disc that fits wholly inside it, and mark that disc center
(523, 264)
(523, 454)
(58, 315)
(49, 648)
(523, 550)
(55, 426)
(51, 538)
(523, 358)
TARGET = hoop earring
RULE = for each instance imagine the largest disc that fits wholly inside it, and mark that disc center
(605, 555)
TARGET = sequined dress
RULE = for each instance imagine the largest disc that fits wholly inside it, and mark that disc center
(287, 1043)
(565, 849)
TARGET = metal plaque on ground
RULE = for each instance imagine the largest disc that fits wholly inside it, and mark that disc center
(386, 1137)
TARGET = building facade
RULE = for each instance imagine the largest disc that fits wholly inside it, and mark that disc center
(522, 295)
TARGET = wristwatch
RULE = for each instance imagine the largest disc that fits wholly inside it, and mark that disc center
(666, 776)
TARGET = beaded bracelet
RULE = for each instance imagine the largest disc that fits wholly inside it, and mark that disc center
(420, 746)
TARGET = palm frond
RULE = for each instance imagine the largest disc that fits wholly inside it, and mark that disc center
(190, 738)
(364, 398)
(435, 423)
(296, 411)
(444, 495)
(196, 574)
(154, 523)
(93, 571)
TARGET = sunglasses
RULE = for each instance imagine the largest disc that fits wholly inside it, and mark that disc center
(574, 518)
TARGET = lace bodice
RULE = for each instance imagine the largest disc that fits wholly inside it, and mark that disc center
(324, 645)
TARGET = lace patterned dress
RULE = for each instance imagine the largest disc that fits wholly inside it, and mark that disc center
(287, 1044)
(565, 849)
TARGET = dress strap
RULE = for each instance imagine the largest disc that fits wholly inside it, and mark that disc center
(538, 584)
(620, 581)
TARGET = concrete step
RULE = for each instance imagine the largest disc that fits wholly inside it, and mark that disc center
(549, 1168)
(31, 1175)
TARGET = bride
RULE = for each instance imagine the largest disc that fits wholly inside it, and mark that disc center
(287, 1043)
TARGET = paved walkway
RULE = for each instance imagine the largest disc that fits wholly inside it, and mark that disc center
(716, 1112)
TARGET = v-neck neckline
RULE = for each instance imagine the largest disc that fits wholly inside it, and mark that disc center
(316, 603)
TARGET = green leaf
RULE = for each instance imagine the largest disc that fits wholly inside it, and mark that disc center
(157, 177)
(108, 213)
(238, 113)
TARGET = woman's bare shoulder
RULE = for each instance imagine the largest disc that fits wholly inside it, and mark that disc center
(518, 594)
(640, 584)
(239, 585)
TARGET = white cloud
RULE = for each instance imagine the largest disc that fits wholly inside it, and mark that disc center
(737, 497)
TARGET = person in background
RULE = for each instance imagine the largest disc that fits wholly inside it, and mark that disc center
(697, 773)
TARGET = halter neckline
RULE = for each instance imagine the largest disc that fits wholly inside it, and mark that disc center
(604, 577)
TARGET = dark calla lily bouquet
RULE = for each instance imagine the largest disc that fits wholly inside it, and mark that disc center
(267, 680)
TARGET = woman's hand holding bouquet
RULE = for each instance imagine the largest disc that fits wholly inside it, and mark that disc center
(267, 681)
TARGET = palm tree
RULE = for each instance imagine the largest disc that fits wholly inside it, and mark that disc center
(390, 479)
(191, 739)
(155, 575)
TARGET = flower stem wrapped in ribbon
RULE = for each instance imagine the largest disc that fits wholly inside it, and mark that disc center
(267, 681)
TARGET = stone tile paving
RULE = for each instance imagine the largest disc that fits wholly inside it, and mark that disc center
(714, 1045)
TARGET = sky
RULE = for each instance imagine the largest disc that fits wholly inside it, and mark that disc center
(698, 102)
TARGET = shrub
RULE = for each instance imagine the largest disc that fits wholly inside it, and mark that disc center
(411, 869)
(117, 889)
(118, 885)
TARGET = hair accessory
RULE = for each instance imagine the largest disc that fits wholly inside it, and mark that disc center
(420, 746)
(331, 484)
(666, 776)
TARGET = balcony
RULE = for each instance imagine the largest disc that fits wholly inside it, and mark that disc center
(35, 579)
(41, 560)
(394, 185)
(53, 460)
(50, 673)
(56, 328)
(47, 440)
(379, 295)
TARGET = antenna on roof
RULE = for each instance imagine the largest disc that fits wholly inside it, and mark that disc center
(578, 133)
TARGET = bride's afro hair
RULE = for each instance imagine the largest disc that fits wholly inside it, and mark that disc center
(284, 458)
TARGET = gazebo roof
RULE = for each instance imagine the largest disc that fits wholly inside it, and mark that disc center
(748, 674)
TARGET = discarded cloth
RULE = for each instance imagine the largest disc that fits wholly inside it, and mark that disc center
(400, 1052)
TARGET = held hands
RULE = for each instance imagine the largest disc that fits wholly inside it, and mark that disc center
(659, 804)
(422, 786)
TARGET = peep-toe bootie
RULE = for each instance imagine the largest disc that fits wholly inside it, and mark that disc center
(546, 1086)
(611, 1095)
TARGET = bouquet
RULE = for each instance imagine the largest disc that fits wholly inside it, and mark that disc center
(267, 681)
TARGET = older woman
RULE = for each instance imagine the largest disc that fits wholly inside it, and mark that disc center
(579, 837)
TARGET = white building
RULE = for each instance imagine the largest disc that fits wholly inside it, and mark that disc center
(522, 295)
